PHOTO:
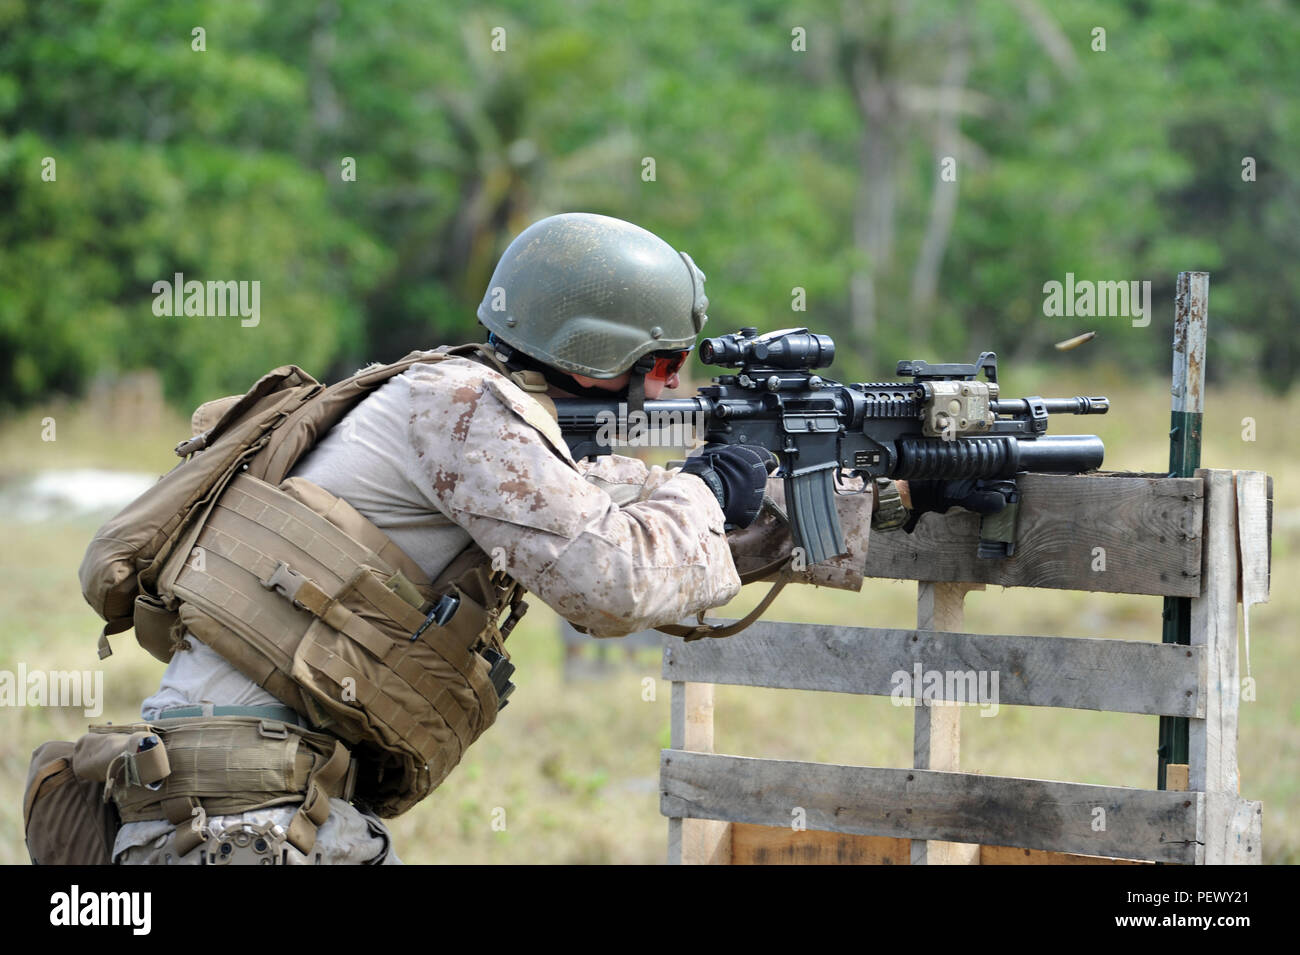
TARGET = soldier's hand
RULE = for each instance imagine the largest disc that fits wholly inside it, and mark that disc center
(938, 496)
(737, 476)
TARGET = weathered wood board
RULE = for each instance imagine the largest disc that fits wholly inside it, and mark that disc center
(774, 845)
(1148, 527)
(936, 730)
(1231, 829)
(1006, 855)
(1121, 676)
(926, 804)
(1212, 740)
(695, 841)
(770, 845)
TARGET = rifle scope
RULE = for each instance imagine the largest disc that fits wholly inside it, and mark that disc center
(790, 349)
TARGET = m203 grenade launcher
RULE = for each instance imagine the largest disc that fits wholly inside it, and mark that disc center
(942, 425)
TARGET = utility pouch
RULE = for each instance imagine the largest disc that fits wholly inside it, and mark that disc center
(156, 628)
(110, 759)
(65, 818)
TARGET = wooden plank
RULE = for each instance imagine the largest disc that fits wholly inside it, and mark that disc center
(1212, 740)
(1231, 830)
(1176, 776)
(936, 731)
(1253, 545)
(1191, 321)
(780, 845)
(1254, 536)
(772, 845)
(926, 804)
(1149, 528)
(677, 739)
(1007, 855)
(1122, 676)
(695, 841)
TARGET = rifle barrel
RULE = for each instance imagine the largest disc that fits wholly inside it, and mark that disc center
(1079, 405)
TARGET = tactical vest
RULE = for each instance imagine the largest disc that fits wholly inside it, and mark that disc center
(308, 598)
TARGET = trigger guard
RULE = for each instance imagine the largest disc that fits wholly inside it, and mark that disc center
(841, 476)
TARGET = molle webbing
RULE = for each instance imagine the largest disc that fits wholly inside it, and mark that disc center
(263, 433)
(303, 594)
(231, 764)
(315, 617)
(353, 523)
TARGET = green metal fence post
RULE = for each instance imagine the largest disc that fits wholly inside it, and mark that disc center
(1191, 315)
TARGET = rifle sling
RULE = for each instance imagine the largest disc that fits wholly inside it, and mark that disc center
(703, 629)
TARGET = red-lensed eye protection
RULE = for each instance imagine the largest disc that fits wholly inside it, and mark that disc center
(668, 364)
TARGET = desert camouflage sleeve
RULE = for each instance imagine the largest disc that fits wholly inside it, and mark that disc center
(626, 480)
(492, 466)
(768, 539)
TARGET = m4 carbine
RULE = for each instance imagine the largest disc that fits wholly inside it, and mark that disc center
(942, 425)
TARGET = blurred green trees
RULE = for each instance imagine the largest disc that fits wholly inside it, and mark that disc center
(794, 145)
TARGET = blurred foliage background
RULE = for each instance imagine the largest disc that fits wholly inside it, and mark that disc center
(775, 168)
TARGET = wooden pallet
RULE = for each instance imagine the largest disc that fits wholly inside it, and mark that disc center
(1185, 537)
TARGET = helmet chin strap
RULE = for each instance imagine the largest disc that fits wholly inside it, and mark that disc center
(566, 382)
(636, 384)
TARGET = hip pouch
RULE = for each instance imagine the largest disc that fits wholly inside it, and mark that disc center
(66, 819)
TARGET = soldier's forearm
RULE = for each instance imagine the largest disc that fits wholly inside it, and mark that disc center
(644, 565)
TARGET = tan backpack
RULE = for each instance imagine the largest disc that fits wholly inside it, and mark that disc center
(305, 596)
(263, 433)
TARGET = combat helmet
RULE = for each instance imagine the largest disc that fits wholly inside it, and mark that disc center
(591, 295)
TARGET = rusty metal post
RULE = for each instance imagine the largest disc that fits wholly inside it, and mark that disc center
(1191, 317)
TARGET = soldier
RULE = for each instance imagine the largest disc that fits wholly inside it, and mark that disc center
(463, 451)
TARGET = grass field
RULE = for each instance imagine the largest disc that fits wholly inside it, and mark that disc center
(574, 765)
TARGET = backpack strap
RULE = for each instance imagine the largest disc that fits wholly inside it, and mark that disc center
(301, 429)
(281, 379)
(327, 776)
